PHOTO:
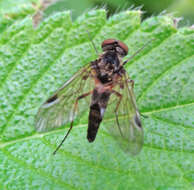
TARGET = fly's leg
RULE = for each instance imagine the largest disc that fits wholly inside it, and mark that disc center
(132, 82)
(116, 109)
(72, 119)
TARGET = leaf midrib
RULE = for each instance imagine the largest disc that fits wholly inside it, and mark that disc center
(86, 162)
(41, 135)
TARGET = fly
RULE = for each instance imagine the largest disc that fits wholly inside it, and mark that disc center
(106, 87)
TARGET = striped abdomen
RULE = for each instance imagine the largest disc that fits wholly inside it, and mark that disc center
(97, 110)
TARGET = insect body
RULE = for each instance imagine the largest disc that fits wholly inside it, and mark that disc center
(105, 85)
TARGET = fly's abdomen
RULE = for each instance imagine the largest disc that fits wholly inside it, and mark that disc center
(97, 110)
(95, 119)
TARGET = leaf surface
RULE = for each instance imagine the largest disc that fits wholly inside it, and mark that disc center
(34, 63)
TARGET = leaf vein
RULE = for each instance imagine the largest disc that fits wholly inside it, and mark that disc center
(86, 162)
(11, 69)
(37, 171)
(156, 147)
(35, 135)
(150, 49)
(171, 122)
(168, 108)
(167, 122)
(160, 76)
(183, 85)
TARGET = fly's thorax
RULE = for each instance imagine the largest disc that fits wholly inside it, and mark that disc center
(106, 66)
(111, 60)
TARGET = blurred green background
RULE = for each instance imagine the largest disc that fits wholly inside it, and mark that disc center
(180, 8)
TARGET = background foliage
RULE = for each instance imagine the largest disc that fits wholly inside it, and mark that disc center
(35, 62)
(180, 8)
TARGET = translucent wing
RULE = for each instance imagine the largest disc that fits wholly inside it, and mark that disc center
(123, 123)
(59, 108)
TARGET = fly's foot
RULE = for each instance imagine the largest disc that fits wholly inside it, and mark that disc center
(132, 82)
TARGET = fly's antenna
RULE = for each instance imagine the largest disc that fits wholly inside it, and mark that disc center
(138, 51)
(92, 42)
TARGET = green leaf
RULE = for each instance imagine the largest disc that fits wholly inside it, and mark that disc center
(12, 6)
(11, 10)
(34, 63)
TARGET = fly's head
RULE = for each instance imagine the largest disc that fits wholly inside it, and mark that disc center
(113, 45)
(114, 50)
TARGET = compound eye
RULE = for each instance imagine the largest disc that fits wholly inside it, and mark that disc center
(108, 42)
(113, 43)
(123, 46)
